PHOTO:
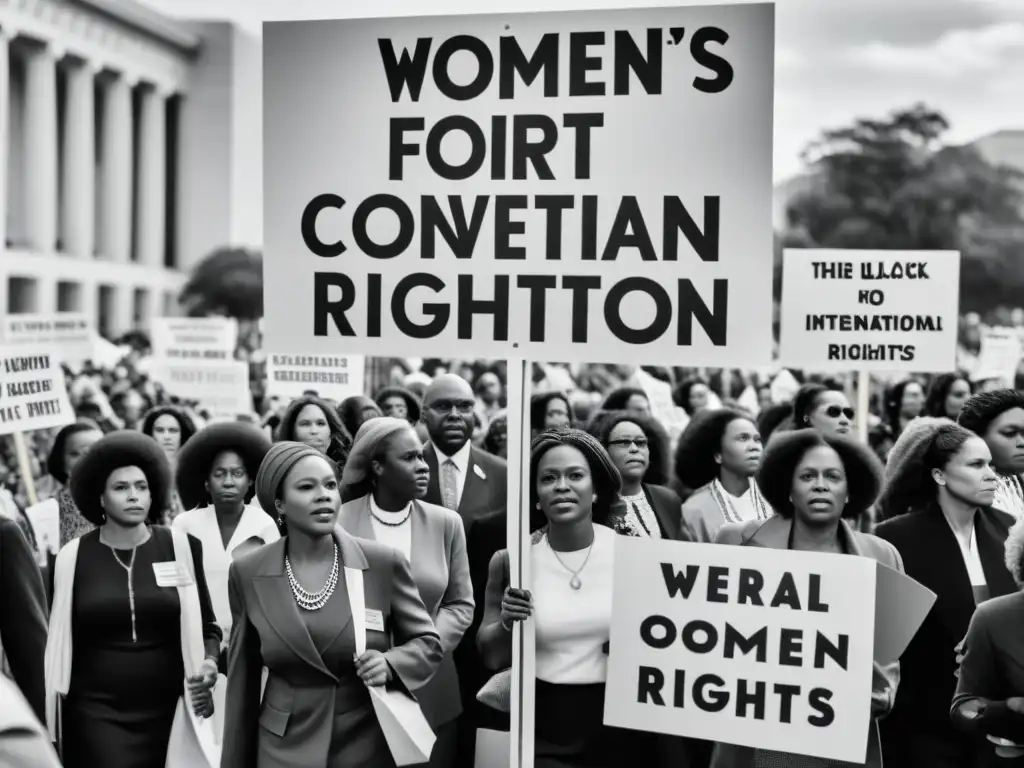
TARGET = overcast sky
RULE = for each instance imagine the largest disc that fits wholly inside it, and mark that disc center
(836, 59)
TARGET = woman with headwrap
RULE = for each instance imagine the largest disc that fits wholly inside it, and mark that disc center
(216, 480)
(387, 477)
(131, 615)
(291, 613)
(313, 421)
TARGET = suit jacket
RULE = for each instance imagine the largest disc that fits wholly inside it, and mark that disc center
(440, 569)
(481, 495)
(667, 508)
(773, 533)
(23, 615)
(920, 719)
(293, 726)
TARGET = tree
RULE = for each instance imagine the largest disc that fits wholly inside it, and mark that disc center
(894, 184)
(227, 282)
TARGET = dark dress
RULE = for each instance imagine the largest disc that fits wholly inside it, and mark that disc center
(123, 694)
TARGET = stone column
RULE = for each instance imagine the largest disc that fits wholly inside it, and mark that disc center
(117, 185)
(5, 149)
(78, 222)
(41, 148)
(152, 193)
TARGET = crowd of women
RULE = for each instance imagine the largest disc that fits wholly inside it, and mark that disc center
(207, 576)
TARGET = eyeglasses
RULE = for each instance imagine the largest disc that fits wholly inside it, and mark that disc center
(444, 407)
(626, 442)
(835, 411)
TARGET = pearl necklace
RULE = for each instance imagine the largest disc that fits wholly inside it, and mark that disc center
(312, 601)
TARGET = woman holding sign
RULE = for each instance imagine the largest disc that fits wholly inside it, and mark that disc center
(388, 478)
(316, 709)
(131, 612)
(937, 504)
(573, 485)
(990, 687)
(817, 482)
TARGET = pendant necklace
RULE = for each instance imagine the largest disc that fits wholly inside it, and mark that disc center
(575, 583)
(130, 569)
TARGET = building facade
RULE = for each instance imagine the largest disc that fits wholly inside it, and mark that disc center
(119, 167)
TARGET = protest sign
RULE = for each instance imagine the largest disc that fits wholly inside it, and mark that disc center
(743, 646)
(1002, 352)
(70, 334)
(869, 310)
(33, 392)
(332, 376)
(194, 338)
(583, 186)
(222, 387)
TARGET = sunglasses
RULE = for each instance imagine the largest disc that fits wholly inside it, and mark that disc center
(835, 411)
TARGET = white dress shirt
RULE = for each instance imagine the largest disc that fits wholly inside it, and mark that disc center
(461, 460)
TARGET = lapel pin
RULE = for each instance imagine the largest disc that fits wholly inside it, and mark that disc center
(479, 472)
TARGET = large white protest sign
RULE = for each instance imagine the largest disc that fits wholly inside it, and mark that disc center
(33, 392)
(70, 334)
(585, 186)
(332, 376)
(869, 310)
(743, 646)
(222, 387)
(1000, 357)
(194, 338)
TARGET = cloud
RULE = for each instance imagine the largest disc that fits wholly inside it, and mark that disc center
(957, 53)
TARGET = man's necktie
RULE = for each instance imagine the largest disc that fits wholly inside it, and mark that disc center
(448, 492)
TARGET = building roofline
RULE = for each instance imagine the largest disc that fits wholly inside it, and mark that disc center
(147, 20)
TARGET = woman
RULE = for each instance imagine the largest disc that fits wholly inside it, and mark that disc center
(355, 410)
(947, 394)
(638, 447)
(216, 480)
(69, 446)
(387, 478)
(719, 453)
(550, 410)
(573, 484)
(172, 428)
(692, 395)
(121, 635)
(313, 421)
(998, 418)
(937, 504)
(399, 403)
(627, 399)
(904, 402)
(816, 482)
(316, 708)
(820, 407)
(989, 698)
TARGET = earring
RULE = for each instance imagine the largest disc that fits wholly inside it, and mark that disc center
(595, 497)
(537, 505)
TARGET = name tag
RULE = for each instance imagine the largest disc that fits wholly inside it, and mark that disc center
(374, 620)
(172, 574)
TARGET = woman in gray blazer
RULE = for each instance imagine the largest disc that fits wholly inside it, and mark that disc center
(386, 478)
(316, 710)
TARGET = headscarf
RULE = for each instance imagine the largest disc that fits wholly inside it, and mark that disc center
(275, 467)
(366, 448)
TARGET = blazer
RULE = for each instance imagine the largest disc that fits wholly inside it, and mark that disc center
(773, 533)
(440, 569)
(931, 555)
(23, 615)
(293, 725)
(667, 508)
(992, 670)
(481, 496)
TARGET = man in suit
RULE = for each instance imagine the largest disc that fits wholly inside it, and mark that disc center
(473, 483)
